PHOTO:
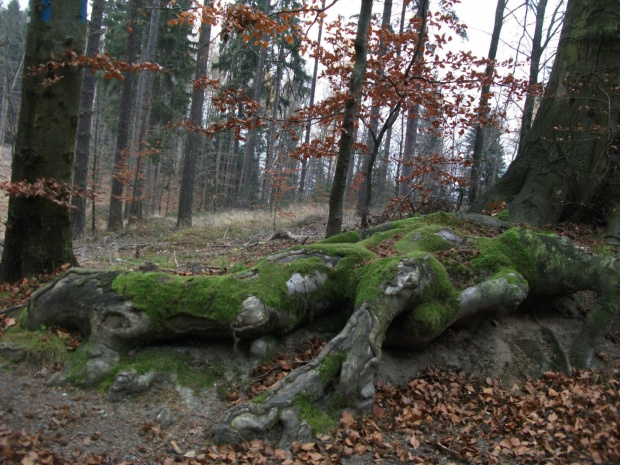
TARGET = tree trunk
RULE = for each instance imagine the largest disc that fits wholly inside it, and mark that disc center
(537, 49)
(186, 197)
(271, 156)
(250, 143)
(84, 128)
(568, 169)
(336, 197)
(409, 292)
(483, 112)
(315, 73)
(372, 141)
(38, 230)
(115, 218)
(142, 118)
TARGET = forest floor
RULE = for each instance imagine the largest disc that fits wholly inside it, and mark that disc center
(439, 416)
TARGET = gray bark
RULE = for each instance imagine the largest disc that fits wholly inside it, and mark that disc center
(38, 230)
(568, 167)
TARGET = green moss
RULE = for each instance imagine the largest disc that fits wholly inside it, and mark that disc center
(320, 421)
(424, 239)
(330, 367)
(373, 276)
(259, 399)
(505, 251)
(432, 317)
(441, 288)
(40, 347)
(188, 371)
(503, 215)
(345, 237)
(379, 237)
(218, 298)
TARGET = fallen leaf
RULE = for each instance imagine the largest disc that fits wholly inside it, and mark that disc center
(176, 447)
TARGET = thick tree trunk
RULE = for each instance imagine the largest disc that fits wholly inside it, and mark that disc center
(336, 197)
(186, 197)
(120, 311)
(115, 216)
(38, 230)
(84, 128)
(568, 169)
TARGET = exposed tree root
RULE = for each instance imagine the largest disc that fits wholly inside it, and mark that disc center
(406, 284)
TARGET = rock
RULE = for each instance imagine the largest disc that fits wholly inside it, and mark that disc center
(12, 354)
(162, 416)
(129, 382)
(263, 348)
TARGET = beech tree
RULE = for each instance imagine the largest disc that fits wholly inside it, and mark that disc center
(38, 228)
(568, 167)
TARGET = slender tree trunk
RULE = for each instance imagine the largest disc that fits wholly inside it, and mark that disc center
(250, 143)
(142, 117)
(373, 128)
(537, 49)
(483, 112)
(271, 141)
(82, 147)
(411, 131)
(336, 198)
(315, 73)
(186, 197)
(38, 230)
(115, 218)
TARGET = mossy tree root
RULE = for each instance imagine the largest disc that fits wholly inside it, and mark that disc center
(345, 369)
(408, 292)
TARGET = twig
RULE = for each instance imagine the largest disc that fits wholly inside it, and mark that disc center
(174, 257)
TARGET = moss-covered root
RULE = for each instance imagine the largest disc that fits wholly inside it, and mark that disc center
(563, 269)
(343, 373)
(600, 318)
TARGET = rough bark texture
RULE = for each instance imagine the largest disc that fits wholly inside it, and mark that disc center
(38, 231)
(568, 167)
(389, 273)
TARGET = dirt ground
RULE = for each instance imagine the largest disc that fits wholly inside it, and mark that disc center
(477, 395)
